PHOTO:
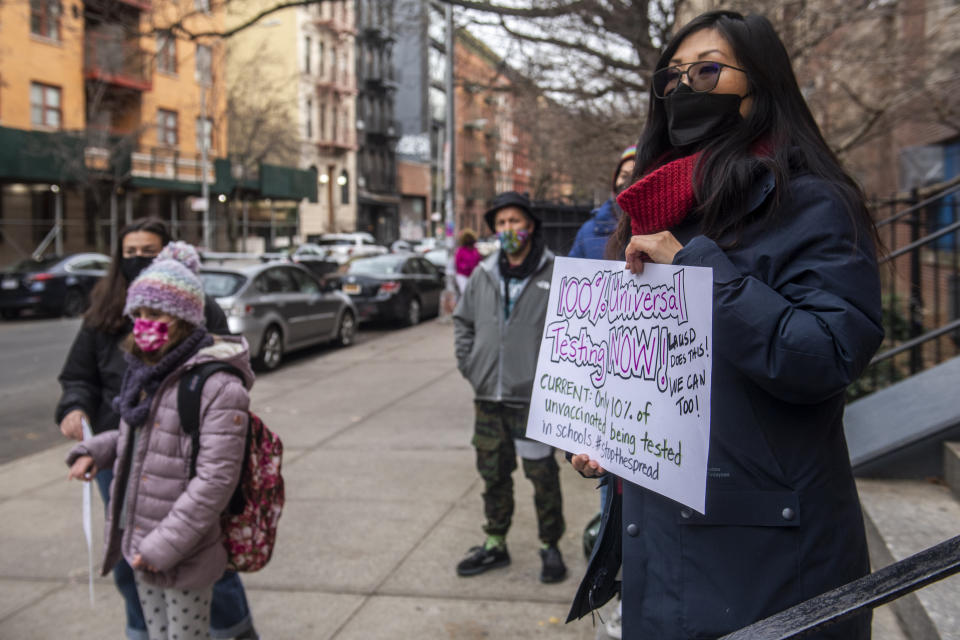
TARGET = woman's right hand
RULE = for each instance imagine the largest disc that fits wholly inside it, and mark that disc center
(587, 467)
(82, 469)
(72, 424)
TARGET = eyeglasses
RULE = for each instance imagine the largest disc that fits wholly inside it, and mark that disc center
(701, 77)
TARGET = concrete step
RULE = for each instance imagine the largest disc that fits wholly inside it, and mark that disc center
(899, 431)
(951, 467)
(904, 517)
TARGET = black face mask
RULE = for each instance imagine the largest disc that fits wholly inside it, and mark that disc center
(131, 267)
(694, 117)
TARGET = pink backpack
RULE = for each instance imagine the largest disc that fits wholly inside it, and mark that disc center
(250, 522)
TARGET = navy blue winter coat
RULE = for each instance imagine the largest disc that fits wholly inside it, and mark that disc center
(797, 317)
(591, 240)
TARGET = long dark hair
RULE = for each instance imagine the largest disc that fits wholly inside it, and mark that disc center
(109, 296)
(779, 123)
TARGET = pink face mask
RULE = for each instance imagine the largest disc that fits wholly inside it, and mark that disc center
(150, 335)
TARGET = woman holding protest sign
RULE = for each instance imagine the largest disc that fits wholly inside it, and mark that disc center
(733, 173)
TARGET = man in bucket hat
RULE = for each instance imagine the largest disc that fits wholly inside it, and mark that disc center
(498, 324)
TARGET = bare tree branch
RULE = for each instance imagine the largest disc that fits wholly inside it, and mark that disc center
(553, 10)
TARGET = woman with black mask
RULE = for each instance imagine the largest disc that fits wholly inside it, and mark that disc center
(91, 378)
(732, 173)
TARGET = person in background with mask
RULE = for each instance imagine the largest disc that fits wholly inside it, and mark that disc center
(498, 324)
(591, 240)
(91, 379)
(732, 173)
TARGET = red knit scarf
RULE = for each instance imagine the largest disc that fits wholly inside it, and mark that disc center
(662, 198)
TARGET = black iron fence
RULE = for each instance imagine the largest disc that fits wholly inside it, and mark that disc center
(920, 270)
(560, 223)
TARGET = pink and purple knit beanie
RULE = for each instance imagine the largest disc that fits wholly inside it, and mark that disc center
(170, 284)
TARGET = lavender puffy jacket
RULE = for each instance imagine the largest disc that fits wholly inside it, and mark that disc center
(174, 520)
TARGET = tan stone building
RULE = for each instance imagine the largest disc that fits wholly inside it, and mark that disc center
(296, 68)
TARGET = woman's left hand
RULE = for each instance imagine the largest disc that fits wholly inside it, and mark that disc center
(661, 247)
(140, 563)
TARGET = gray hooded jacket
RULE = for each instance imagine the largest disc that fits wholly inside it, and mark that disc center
(498, 356)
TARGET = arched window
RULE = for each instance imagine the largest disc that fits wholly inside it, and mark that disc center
(344, 182)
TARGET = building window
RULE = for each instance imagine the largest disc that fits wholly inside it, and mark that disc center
(167, 127)
(344, 182)
(309, 119)
(166, 52)
(204, 64)
(320, 60)
(204, 129)
(323, 120)
(45, 105)
(45, 18)
(307, 43)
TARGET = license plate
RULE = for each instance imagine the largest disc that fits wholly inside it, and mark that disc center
(10, 283)
(352, 289)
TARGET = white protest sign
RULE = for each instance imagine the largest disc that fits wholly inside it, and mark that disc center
(624, 372)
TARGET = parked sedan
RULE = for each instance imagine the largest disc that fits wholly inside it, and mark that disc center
(55, 284)
(397, 286)
(314, 258)
(341, 247)
(280, 307)
(439, 258)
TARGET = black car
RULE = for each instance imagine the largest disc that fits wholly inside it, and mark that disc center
(58, 285)
(439, 258)
(396, 286)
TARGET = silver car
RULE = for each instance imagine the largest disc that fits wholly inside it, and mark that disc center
(279, 307)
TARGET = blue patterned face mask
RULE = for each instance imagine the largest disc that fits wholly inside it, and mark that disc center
(513, 241)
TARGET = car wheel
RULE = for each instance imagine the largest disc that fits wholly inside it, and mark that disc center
(412, 316)
(10, 314)
(73, 303)
(271, 349)
(348, 329)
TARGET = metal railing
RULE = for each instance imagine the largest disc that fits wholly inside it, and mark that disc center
(921, 286)
(871, 591)
(117, 59)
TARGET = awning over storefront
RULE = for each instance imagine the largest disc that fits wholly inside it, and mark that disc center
(40, 156)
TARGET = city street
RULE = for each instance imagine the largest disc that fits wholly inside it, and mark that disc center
(32, 352)
(382, 501)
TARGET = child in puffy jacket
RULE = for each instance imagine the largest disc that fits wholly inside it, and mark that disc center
(164, 520)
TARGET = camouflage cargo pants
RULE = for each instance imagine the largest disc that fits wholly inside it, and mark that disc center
(496, 428)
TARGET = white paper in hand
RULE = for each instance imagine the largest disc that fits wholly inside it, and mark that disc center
(87, 518)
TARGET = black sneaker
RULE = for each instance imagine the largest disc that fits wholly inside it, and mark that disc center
(481, 559)
(553, 568)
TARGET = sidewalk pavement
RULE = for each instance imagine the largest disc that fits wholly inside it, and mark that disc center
(382, 502)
